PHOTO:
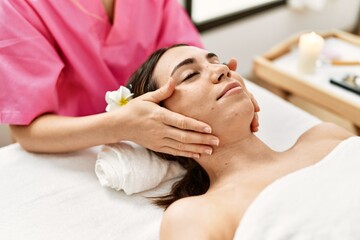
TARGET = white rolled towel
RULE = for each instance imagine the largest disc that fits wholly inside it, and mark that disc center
(129, 167)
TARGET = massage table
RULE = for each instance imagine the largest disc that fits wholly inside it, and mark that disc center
(58, 196)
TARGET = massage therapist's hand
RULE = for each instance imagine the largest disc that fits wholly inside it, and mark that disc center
(232, 65)
(162, 130)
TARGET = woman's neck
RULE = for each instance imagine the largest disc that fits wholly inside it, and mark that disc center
(237, 159)
(109, 8)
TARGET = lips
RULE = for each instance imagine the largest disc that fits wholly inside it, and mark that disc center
(227, 88)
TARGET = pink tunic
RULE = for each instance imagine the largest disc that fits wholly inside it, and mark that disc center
(62, 56)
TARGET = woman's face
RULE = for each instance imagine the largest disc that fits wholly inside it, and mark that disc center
(205, 89)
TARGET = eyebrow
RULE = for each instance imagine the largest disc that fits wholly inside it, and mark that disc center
(190, 61)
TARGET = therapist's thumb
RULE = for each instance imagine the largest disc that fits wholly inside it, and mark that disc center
(232, 64)
(162, 93)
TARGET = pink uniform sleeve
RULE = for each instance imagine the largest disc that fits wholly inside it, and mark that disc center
(29, 65)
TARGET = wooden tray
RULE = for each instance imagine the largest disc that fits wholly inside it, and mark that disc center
(265, 70)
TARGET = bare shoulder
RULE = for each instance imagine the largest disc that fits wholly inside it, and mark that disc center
(318, 141)
(326, 131)
(180, 209)
(189, 213)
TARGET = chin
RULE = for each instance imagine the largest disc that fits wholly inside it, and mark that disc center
(234, 121)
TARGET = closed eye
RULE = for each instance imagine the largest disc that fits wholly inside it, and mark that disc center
(190, 76)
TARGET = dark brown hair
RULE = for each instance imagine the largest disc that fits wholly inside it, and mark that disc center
(196, 181)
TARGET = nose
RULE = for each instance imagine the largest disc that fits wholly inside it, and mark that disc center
(219, 72)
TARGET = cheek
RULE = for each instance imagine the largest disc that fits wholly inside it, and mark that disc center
(190, 103)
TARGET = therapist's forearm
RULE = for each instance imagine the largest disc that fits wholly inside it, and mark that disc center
(57, 134)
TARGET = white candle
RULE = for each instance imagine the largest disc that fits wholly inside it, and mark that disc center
(310, 46)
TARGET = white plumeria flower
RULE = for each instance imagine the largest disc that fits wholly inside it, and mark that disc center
(118, 98)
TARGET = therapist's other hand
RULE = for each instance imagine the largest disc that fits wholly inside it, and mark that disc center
(162, 130)
(232, 65)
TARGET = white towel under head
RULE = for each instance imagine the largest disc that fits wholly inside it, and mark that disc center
(129, 167)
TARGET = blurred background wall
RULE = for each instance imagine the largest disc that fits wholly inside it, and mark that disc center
(255, 34)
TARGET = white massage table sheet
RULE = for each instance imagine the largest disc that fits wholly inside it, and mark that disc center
(57, 196)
